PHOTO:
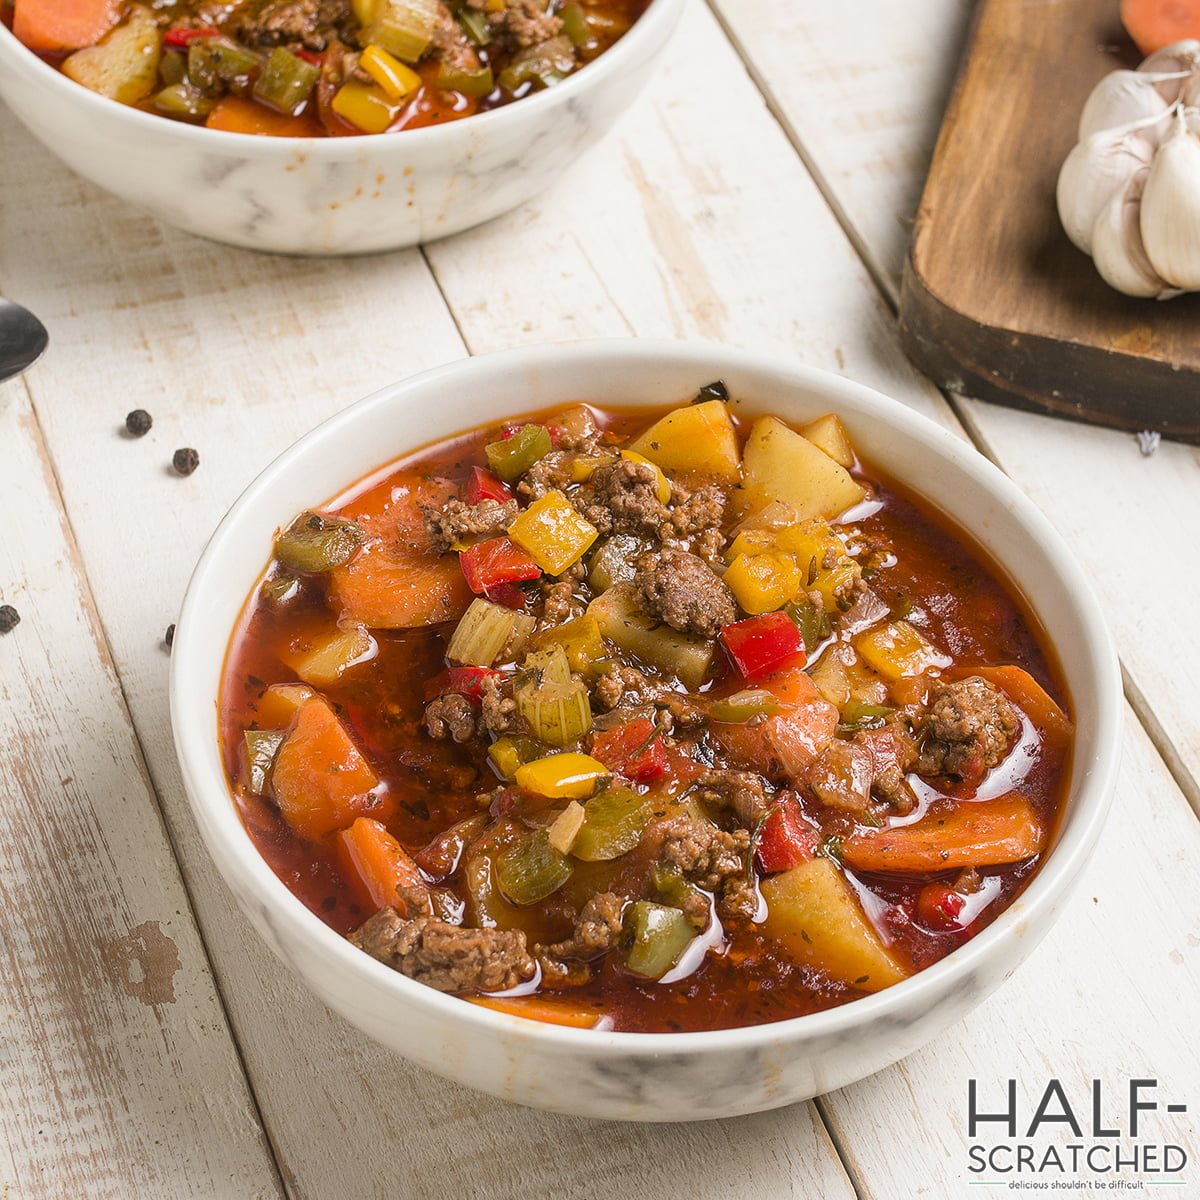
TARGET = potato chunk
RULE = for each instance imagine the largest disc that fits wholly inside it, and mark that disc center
(815, 914)
(124, 66)
(829, 434)
(780, 465)
(697, 438)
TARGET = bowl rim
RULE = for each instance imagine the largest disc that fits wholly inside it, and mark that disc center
(659, 16)
(197, 747)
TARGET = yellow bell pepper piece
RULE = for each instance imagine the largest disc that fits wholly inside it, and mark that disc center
(662, 483)
(581, 640)
(562, 776)
(553, 533)
(390, 73)
(365, 106)
(752, 541)
(584, 467)
(761, 583)
(899, 650)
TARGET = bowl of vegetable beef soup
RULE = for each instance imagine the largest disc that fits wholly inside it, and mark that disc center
(331, 127)
(641, 730)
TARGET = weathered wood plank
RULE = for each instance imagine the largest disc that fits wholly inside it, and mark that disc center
(865, 109)
(118, 1071)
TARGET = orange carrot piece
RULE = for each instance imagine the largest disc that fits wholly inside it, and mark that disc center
(552, 1012)
(381, 862)
(396, 581)
(56, 26)
(1033, 699)
(320, 779)
(1154, 24)
(236, 114)
(983, 834)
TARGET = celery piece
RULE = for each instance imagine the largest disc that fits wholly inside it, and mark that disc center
(261, 747)
(657, 937)
(510, 753)
(575, 24)
(511, 457)
(313, 543)
(613, 824)
(183, 102)
(531, 869)
(558, 713)
(545, 64)
(404, 28)
(286, 81)
(612, 561)
(489, 633)
(213, 62)
(473, 83)
(744, 706)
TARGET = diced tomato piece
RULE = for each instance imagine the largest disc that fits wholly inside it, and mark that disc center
(938, 907)
(555, 432)
(468, 681)
(483, 485)
(507, 594)
(785, 841)
(180, 38)
(766, 643)
(634, 750)
(487, 565)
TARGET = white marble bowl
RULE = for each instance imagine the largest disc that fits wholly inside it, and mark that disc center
(651, 1077)
(352, 195)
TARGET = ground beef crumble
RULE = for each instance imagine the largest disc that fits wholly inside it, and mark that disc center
(745, 794)
(969, 728)
(712, 859)
(447, 957)
(683, 591)
(451, 716)
(456, 521)
(622, 497)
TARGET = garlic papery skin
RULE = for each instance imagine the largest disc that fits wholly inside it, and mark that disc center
(1117, 248)
(1179, 58)
(1170, 219)
(1095, 171)
(1121, 98)
(1190, 96)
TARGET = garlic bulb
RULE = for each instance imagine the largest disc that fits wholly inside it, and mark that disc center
(1129, 192)
(1170, 218)
(1117, 248)
(1120, 98)
(1095, 171)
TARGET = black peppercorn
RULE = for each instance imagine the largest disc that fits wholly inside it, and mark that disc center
(185, 461)
(169, 637)
(9, 618)
(138, 422)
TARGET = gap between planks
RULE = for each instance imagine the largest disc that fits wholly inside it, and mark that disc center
(102, 639)
(1187, 783)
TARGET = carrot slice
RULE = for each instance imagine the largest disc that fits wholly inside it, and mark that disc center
(553, 1012)
(1154, 24)
(396, 581)
(983, 834)
(381, 862)
(320, 779)
(236, 114)
(56, 26)
(1033, 699)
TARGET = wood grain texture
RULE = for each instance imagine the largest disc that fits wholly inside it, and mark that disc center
(996, 302)
(118, 1072)
(1093, 485)
(221, 347)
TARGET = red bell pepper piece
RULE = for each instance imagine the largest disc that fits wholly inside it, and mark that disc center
(468, 681)
(180, 38)
(785, 841)
(488, 564)
(507, 594)
(310, 56)
(635, 750)
(483, 485)
(759, 645)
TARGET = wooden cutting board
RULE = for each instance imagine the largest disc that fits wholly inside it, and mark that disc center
(996, 303)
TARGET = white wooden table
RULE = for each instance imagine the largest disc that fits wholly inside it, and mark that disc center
(760, 194)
